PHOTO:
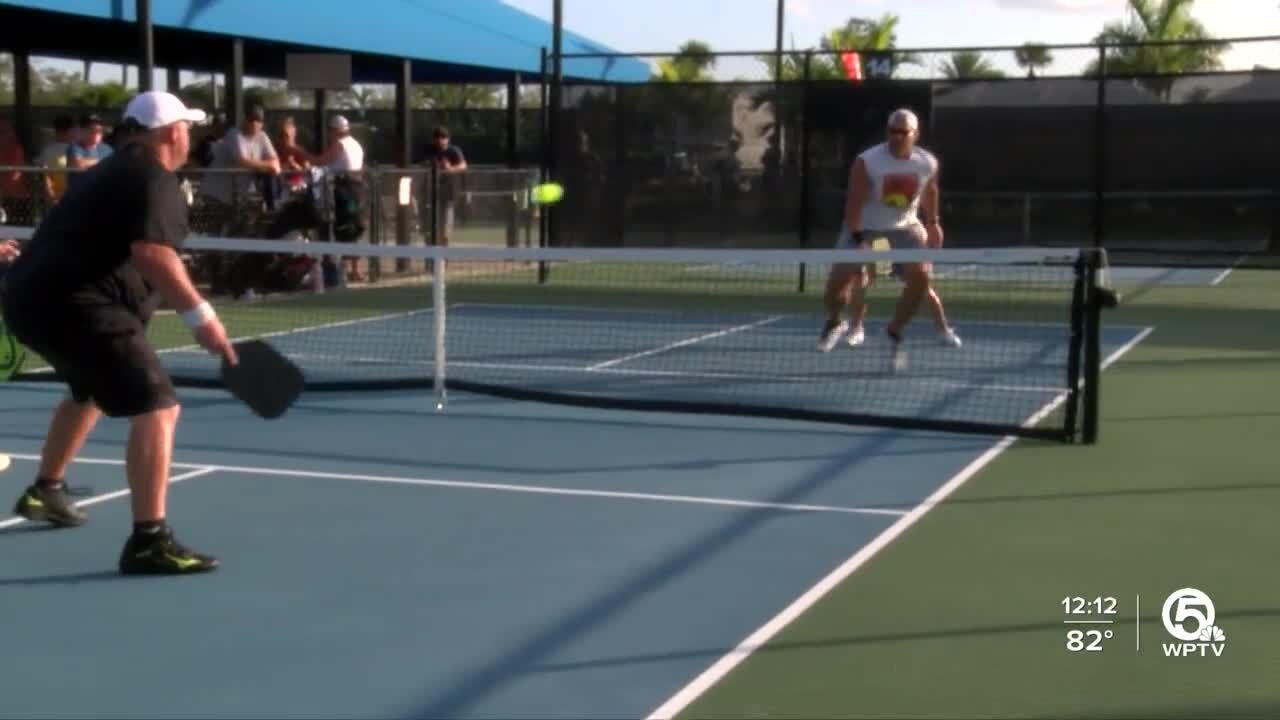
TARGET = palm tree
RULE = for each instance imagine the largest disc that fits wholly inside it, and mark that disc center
(1158, 21)
(690, 64)
(1032, 56)
(863, 35)
(967, 64)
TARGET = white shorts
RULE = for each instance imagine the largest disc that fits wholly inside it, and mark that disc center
(912, 237)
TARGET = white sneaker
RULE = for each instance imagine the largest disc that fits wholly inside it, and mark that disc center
(832, 336)
(856, 338)
(897, 355)
(950, 338)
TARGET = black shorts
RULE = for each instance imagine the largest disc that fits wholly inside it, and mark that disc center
(101, 352)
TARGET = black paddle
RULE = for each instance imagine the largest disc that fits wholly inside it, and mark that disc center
(263, 379)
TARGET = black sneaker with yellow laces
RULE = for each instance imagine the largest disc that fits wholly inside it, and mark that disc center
(159, 553)
(51, 503)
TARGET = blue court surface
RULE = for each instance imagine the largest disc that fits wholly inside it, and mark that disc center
(1006, 372)
(497, 559)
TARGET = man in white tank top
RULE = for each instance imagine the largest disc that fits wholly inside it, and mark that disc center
(889, 186)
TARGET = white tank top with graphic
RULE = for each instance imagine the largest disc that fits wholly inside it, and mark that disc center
(897, 184)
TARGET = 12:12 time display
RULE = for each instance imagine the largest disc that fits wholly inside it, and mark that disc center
(1089, 606)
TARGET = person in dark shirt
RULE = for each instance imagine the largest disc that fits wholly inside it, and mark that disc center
(80, 296)
(450, 164)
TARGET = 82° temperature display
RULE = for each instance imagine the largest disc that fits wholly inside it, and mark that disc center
(1089, 622)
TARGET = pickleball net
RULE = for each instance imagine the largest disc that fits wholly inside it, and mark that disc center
(731, 332)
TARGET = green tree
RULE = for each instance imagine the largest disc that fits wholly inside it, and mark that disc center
(272, 95)
(1032, 57)
(101, 95)
(201, 94)
(454, 97)
(691, 63)
(863, 35)
(1159, 65)
(6, 79)
(967, 65)
(51, 86)
(858, 34)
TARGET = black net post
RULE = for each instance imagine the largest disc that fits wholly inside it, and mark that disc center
(1079, 306)
(1092, 350)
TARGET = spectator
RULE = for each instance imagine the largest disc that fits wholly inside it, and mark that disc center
(224, 191)
(9, 251)
(450, 163)
(246, 148)
(53, 158)
(202, 155)
(294, 159)
(15, 194)
(88, 149)
(344, 159)
(344, 153)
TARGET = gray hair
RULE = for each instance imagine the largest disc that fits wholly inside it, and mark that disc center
(903, 116)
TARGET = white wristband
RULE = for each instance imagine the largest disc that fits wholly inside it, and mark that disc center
(198, 315)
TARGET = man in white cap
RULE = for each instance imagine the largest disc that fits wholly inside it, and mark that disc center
(889, 185)
(79, 295)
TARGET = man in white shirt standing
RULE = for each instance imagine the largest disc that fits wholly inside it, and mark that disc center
(343, 157)
(890, 184)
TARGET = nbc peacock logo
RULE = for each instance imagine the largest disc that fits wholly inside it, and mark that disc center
(1189, 615)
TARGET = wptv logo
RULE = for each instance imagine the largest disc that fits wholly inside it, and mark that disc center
(1188, 615)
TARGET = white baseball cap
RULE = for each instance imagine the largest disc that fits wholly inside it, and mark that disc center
(153, 109)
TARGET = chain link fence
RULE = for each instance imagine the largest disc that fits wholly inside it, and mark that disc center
(481, 206)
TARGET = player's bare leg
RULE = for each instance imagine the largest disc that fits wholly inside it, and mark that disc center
(839, 292)
(47, 498)
(915, 288)
(858, 304)
(946, 335)
(147, 462)
(70, 427)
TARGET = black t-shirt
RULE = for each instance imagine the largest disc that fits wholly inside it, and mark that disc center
(450, 185)
(80, 254)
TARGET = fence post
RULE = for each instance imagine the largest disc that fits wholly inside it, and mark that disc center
(545, 169)
(1100, 150)
(805, 198)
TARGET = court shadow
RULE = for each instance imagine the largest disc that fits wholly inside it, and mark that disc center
(923, 635)
(524, 654)
(67, 579)
(638, 421)
(28, 528)
(1194, 416)
(437, 464)
(1110, 494)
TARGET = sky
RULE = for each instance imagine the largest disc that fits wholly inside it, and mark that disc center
(661, 25)
(745, 25)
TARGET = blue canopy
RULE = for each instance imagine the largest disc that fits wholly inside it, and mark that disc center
(447, 40)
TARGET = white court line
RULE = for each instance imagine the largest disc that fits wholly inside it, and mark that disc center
(203, 468)
(1223, 275)
(722, 667)
(683, 343)
(200, 470)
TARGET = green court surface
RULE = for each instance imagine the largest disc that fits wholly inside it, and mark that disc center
(962, 615)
